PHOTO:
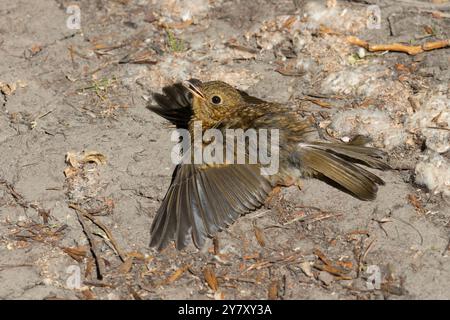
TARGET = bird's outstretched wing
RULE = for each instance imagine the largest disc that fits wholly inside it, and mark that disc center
(204, 200)
(175, 104)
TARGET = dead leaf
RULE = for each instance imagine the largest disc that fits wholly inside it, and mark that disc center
(89, 267)
(436, 14)
(136, 255)
(176, 275)
(126, 265)
(345, 264)
(322, 257)
(216, 246)
(35, 49)
(88, 294)
(334, 271)
(326, 30)
(76, 253)
(401, 67)
(70, 171)
(289, 22)
(428, 29)
(259, 234)
(71, 159)
(415, 201)
(178, 25)
(210, 278)
(320, 103)
(436, 118)
(93, 156)
(289, 72)
(273, 290)
(392, 289)
(7, 88)
(234, 44)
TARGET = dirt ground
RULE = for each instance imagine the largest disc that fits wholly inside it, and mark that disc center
(78, 144)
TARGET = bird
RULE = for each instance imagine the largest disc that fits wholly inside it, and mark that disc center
(204, 199)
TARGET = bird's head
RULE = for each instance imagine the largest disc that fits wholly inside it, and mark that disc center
(213, 100)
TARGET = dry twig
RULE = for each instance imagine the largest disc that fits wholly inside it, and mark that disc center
(103, 227)
(95, 253)
(399, 47)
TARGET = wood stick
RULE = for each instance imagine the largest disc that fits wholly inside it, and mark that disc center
(103, 227)
(398, 47)
(95, 253)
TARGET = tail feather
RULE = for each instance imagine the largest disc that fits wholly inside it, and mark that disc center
(337, 163)
(368, 156)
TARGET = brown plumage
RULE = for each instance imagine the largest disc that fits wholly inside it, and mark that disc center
(205, 198)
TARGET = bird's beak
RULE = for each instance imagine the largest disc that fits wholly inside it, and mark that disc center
(194, 89)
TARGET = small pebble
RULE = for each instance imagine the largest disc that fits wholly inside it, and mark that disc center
(325, 277)
(361, 53)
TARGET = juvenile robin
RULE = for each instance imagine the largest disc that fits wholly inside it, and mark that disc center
(206, 198)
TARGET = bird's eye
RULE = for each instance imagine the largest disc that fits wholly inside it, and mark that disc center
(216, 100)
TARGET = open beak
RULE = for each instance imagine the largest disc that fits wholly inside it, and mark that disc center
(193, 89)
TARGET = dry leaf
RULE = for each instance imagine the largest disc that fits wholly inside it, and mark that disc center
(71, 159)
(333, 270)
(289, 22)
(401, 67)
(216, 246)
(322, 257)
(323, 104)
(7, 88)
(436, 118)
(345, 264)
(176, 275)
(88, 294)
(126, 265)
(289, 72)
(428, 30)
(36, 48)
(273, 290)
(89, 267)
(178, 25)
(93, 156)
(436, 14)
(259, 234)
(326, 30)
(76, 253)
(210, 278)
(415, 202)
(70, 171)
(136, 255)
